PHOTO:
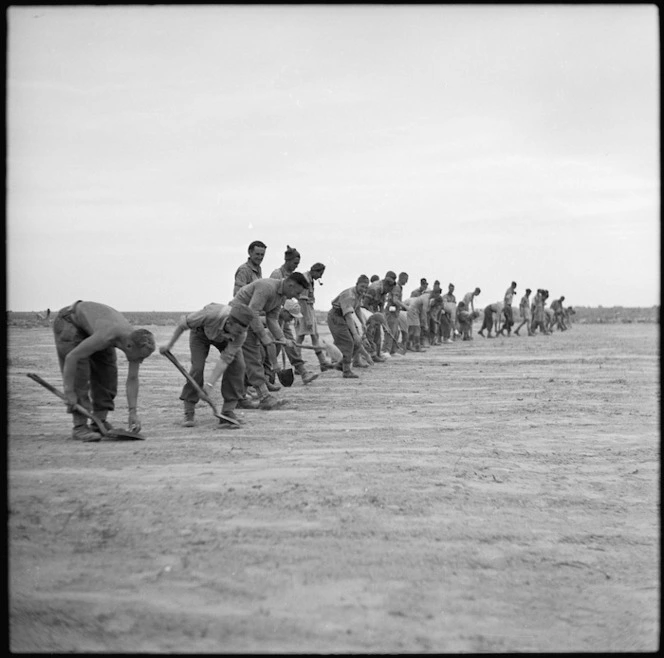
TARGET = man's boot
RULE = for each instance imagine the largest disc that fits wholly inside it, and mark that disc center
(307, 377)
(348, 373)
(101, 417)
(189, 408)
(84, 433)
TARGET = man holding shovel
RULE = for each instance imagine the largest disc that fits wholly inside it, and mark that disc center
(224, 327)
(393, 306)
(86, 337)
(340, 319)
(306, 325)
(267, 295)
(291, 262)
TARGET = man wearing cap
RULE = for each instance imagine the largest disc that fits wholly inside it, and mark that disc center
(345, 333)
(224, 327)
(267, 295)
(374, 301)
(424, 285)
(291, 262)
(306, 324)
(393, 306)
(86, 336)
(525, 313)
(289, 313)
(251, 270)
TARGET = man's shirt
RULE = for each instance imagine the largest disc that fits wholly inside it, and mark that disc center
(280, 273)
(347, 301)
(263, 295)
(212, 318)
(449, 297)
(246, 273)
(374, 298)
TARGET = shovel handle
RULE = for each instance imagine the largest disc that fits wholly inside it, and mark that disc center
(77, 407)
(201, 393)
(301, 347)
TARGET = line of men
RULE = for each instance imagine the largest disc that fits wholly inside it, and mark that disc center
(369, 323)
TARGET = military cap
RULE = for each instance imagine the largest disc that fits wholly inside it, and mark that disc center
(242, 314)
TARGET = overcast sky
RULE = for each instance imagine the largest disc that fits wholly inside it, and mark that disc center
(148, 146)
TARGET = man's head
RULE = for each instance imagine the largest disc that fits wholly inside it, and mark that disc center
(377, 319)
(403, 278)
(292, 257)
(423, 283)
(362, 284)
(256, 252)
(391, 275)
(477, 291)
(562, 299)
(140, 344)
(390, 280)
(513, 285)
(317, 270)
(239, 319)
(374, 277)
(528, 291)
(450, 287)
(435, 301)
(295, 284)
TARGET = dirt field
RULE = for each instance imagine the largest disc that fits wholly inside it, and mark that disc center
(488, 496)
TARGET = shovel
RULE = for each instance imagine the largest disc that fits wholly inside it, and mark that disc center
(402, 349)
(107, 434)
(201, 393)
(286, 375)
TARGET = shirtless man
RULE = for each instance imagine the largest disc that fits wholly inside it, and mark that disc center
(86, 337)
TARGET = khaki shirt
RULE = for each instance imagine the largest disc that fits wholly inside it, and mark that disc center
(264, 295)
(449, 297)
(347, 301)
(246, 273)
(374, 298)
(212, 318)
(280, 273)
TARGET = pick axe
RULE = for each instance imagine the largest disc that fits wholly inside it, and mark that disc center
(201, 393)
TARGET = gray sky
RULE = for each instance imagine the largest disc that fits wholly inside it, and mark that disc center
(148, 146)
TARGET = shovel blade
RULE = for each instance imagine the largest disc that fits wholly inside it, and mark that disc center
(123, 435)
(286, 377)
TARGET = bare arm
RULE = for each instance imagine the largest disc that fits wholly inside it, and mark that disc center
(179, 330)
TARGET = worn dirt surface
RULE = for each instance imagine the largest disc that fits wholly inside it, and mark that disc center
(488, 496)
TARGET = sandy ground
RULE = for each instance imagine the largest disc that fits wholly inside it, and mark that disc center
(488, 496)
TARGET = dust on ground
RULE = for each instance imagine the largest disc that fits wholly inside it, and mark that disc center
(487, 496)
